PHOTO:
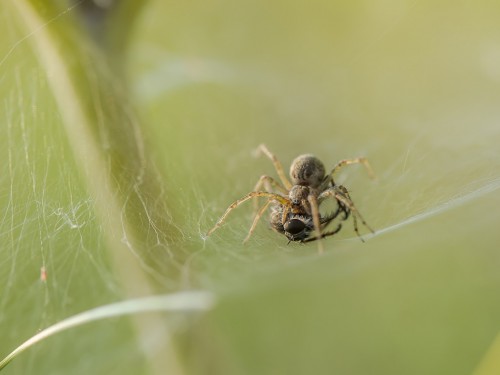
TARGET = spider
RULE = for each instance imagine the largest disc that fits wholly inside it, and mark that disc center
(295, 205)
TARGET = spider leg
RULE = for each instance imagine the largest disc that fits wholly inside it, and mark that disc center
(346, 162)
(341, 208)
(313, 202)
(325, 220)
(341, 195)
(353, 208)
(256, 219)
(271, 196)
(284, 214)
(268, 183)
(277, 165)
(325, 234)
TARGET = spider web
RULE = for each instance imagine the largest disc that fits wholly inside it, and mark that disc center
(57, 238)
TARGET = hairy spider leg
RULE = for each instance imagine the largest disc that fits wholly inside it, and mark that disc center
(276, 197)
(341, 208)
(325, 220)
(277, 165)
(268, 183)
(325, 234)
(284, 214)
(353, 208)
(340, 193)
(256, 219)
(313, 202)
(346, 162)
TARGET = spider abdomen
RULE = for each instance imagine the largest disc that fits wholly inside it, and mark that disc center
(307, 170)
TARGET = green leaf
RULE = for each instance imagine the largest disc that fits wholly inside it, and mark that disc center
(125, 142)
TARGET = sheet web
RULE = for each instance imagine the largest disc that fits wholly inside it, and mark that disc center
(55, 257)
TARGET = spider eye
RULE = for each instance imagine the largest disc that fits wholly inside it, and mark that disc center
(294, 226)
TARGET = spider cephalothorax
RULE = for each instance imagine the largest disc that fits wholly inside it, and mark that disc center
(295, 205)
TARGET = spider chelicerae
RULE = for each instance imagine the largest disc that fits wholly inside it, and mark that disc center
(295, 205)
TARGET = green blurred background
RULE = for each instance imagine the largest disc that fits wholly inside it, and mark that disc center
(177, 96)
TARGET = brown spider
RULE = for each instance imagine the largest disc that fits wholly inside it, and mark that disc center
(295, 205)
